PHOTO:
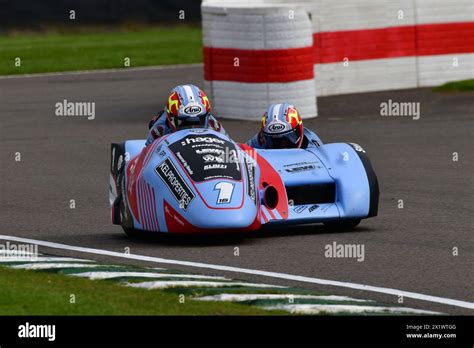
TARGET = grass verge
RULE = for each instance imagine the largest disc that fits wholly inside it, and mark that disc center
(83, 50)
(26, 292)
(456, 86)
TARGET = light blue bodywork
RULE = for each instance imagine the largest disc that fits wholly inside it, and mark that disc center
(338, 163)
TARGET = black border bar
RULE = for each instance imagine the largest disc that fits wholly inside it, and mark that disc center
(194, 330)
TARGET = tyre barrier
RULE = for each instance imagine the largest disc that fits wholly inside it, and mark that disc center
(268, 51)
(255, 55)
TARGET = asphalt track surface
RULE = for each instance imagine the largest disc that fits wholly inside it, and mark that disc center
(410, 249)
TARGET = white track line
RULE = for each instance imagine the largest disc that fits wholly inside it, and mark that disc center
(39, 266)
(390, 291)
(9, 259)
(332, 308)
(255, 297)
(104, 71)
(111, 275)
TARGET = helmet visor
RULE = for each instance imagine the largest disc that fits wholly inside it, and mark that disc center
(287, 140)
(183, 122)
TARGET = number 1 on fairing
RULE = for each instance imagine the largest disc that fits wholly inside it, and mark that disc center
(225, 192)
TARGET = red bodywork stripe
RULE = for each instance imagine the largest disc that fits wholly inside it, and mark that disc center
(270, 211)
(143, 205)
(150, 207)
(140, 161)
(176, 223)
(270, 176)
(154, 209)
(265, 219)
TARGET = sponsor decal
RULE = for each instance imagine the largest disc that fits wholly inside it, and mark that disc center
(202, 139)
(207, 157)
(215, 166)
(312, 208)
(194, 130)
(178, 187)
(211, 158)
(299, 209)
(250, 169)
(192, 110)
(300, 167)
(184, 163)
(276, 128)
(208, 150)
(357, 147)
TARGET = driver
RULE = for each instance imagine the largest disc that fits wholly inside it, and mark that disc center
(282, 128)
(187, 107)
